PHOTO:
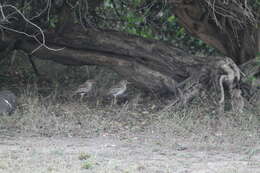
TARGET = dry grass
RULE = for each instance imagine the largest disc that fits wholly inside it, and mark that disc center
(151, 138)
(70, 118)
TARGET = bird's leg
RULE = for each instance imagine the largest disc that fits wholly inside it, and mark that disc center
(112, 102)
(81, 97)
(97, 103)
(115, 101)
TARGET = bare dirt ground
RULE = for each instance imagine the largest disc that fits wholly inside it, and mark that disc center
(147, 152)
(46, 137)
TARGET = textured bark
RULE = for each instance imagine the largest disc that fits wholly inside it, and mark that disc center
(151, 64)
(233, 34)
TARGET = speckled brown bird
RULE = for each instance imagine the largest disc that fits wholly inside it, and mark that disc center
(118, 89)
(85, 88)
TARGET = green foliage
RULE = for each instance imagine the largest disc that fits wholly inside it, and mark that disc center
(255, 4)
(152, 20)
(87, 165)
(84, 156)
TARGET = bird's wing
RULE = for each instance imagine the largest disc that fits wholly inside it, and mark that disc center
(80, 90)
(114, 89)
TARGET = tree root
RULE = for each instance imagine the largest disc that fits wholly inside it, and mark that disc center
(231, 79)
(223, 73)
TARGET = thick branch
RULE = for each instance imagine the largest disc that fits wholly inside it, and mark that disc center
(151, 64)
(150, 53)
(142, 76)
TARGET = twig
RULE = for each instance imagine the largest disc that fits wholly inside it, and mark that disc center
(43, 40)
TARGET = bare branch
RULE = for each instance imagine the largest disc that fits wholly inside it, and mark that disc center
(43, 40)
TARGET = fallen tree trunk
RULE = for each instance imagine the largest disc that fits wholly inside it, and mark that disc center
(153, 65)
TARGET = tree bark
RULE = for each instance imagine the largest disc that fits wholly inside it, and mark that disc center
(154, 65)
(225, 25)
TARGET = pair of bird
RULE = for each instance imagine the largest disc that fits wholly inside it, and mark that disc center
(115, 91)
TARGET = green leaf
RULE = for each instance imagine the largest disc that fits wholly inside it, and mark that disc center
(171, 19)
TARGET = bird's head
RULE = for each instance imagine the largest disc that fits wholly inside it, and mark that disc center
(92, 81)
(124, 82)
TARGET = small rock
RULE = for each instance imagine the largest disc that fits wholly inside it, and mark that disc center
(7, 102)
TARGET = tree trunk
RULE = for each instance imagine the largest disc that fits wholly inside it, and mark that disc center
(228, 26)
(151, 64)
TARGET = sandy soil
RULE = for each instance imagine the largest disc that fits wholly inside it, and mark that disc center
(123, 153)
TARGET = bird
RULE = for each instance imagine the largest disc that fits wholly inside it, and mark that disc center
(84, 88)
(118, 89)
